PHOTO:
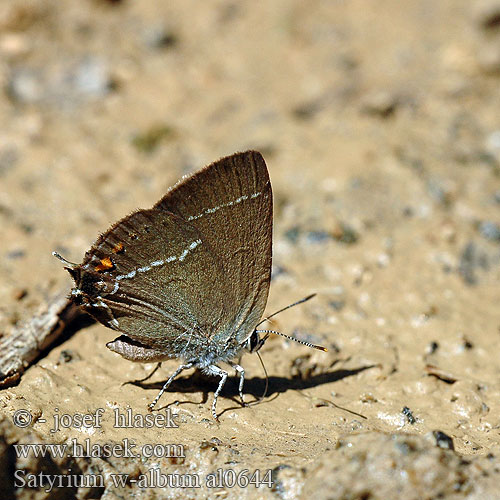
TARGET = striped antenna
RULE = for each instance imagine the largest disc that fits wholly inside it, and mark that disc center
(303, 342)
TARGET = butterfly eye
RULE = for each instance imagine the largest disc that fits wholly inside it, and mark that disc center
(254, 342)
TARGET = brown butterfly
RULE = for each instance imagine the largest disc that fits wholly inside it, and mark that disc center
(188, 278)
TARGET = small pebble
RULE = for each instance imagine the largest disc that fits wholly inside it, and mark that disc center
(160, 37)
(345, 234)
(432, 347)
(337, 305)
(92, 77)
(471, 259)
(382, 104)
(441, 191)
(307, 110)
(490, 230)
(292, 234)
(68, 355)
(408, 414)
(468, 344)
(443, 440)
(149, 140)
(20, 293)
(16, 254)
(317, 237)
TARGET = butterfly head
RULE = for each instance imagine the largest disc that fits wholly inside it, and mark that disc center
(88, 284)
(255, 342)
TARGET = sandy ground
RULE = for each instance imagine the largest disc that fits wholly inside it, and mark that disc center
(380, 125)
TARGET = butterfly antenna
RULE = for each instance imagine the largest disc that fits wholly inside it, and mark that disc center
(303, 342)
(305, 299)
(63, 260)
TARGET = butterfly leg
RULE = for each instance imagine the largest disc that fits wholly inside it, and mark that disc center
(147, 377)
(215, 370)
(167, 383)
(239, 369)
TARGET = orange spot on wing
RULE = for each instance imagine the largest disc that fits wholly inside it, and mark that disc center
(118, 248)
(105, 265)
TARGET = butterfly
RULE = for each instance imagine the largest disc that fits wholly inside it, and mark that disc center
(188, 278)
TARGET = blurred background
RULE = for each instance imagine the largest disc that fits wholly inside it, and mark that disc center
(380, 125)
(372, 110)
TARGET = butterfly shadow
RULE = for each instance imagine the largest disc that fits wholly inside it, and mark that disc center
(255, 386)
